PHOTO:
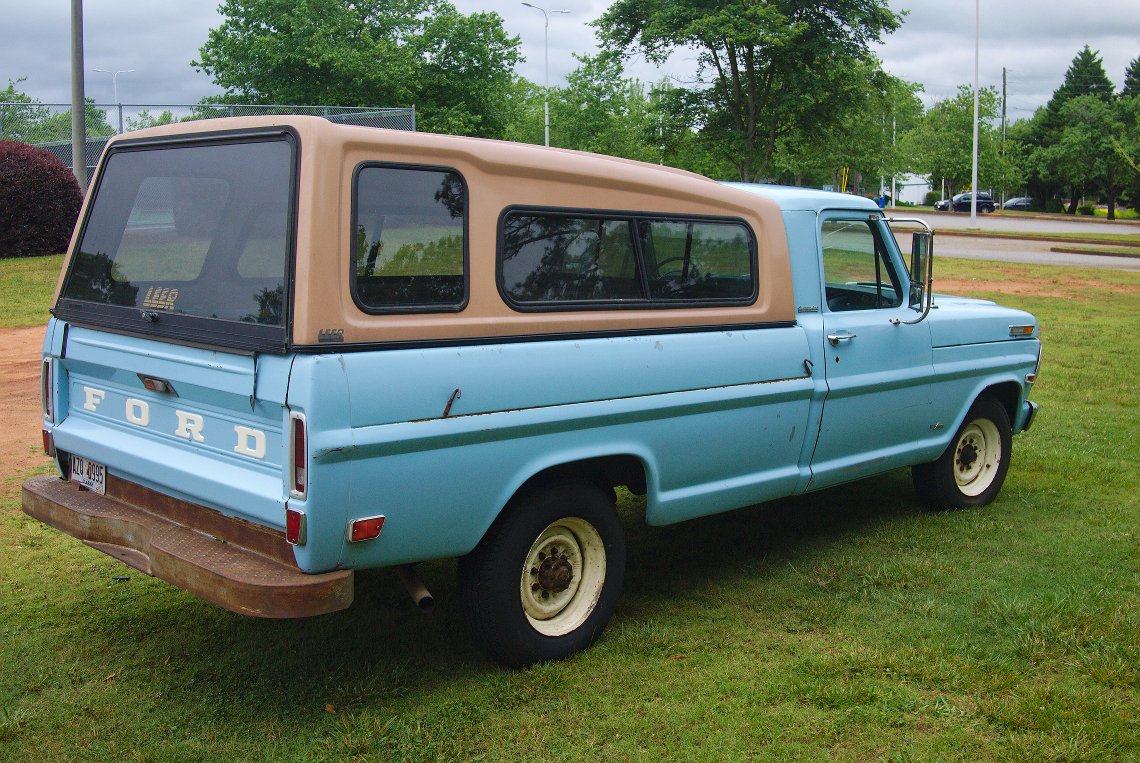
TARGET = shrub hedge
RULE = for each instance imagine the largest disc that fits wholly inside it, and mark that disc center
(39, 201)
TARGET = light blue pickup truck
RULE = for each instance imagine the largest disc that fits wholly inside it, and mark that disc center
(283, 350)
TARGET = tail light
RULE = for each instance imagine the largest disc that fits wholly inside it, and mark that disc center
(46, 387)
(298, 456)
(49, 444)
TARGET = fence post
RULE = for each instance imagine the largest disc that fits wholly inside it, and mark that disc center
(120, 118)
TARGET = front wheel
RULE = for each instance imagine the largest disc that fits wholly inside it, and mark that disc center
(971, 470)
(544, 581)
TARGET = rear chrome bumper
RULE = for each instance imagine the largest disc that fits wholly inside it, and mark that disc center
(237, 565)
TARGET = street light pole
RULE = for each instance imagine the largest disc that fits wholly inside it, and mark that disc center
(974, 164)
(546, 67)
(115, 86)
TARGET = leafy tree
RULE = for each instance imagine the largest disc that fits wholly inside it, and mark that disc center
(57, 127)
(603, 111)
(1085, 157)
(20, 115)
(144, 119)
(456, 69)
(879, 107)
(774, 67)
(942, 144)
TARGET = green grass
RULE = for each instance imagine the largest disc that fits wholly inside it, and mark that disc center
(846, 625)
(26, 288)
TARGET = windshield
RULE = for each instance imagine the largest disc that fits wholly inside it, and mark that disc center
(187, 232)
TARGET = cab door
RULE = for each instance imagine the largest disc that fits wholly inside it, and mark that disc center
(877, 367)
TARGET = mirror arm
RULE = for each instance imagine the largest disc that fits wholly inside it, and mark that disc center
(928, 286)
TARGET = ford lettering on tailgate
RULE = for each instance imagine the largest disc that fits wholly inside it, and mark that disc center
(213, 430)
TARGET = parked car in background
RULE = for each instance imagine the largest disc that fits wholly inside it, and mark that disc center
(1019, 203)
(961, 202)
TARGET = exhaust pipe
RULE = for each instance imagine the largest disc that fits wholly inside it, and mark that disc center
(416, 588)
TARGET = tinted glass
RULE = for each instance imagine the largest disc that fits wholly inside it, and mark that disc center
(857, 271)
(558, 258)
(697, 260)
(200, 231)
(408, 248)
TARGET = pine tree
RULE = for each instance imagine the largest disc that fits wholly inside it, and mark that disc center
(1085, 76)
(1132, 78)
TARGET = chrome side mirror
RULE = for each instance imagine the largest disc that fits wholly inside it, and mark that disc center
(921, 259)
(921, 268)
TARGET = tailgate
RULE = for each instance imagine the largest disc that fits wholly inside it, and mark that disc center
(201, 425)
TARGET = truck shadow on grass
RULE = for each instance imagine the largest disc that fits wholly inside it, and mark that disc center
(382, 648)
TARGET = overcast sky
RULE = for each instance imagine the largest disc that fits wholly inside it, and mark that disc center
(1034, 39)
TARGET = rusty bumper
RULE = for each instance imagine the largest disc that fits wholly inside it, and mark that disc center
(243, 567)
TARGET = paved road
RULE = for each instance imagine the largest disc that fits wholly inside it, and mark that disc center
(1011, 221)
(1022, 250)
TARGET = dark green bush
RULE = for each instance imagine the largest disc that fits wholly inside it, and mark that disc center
(1086, 209)
(931, 197)
(39, 201)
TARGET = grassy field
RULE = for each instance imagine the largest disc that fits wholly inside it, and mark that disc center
(845, 625)
(26, 288)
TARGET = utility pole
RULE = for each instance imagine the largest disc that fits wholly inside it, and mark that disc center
(78, 103)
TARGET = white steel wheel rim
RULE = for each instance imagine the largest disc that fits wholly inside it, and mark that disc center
(562, 576)
(977, 456)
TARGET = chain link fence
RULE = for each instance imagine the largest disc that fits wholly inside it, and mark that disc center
(48, 125)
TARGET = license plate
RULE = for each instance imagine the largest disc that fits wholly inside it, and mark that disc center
(89, 474)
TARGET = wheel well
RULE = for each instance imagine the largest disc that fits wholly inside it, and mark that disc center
(606, 471)
(1006, 393)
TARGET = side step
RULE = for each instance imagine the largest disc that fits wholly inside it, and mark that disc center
(237, 565)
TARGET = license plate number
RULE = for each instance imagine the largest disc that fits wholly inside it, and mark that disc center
(89, 474)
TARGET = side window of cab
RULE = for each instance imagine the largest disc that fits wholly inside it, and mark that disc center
(858, 271)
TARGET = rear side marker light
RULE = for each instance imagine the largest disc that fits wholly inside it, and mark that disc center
(295, 527)
(49, 444)
(365, 529)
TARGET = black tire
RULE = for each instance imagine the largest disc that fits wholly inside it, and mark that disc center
(531, 590)
(971, 470)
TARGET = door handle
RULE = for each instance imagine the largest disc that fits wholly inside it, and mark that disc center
(835, 339)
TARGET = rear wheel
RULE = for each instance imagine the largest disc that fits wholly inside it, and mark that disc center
(971, 470)
(544, 581)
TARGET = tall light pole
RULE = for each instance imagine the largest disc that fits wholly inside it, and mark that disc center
(974, 166)
(546, 67)
(115, 86)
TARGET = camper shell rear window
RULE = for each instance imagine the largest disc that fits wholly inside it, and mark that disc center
(191, 241)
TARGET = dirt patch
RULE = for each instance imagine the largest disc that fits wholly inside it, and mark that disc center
(21, 422)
